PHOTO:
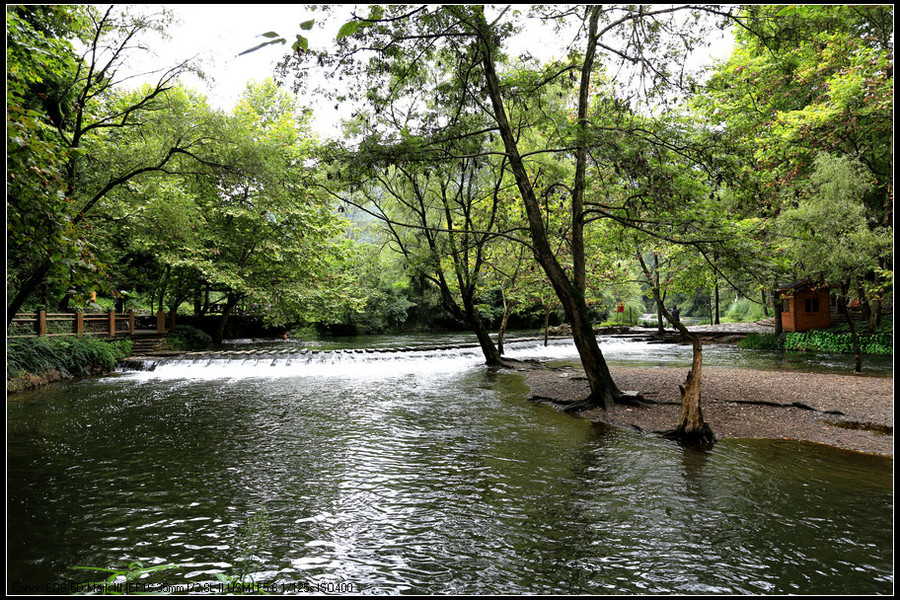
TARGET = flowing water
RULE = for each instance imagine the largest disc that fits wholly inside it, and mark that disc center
(420, 472)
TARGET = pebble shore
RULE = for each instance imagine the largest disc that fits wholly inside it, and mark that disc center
(845, 411)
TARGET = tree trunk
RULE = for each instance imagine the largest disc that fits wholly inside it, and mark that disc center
(854, 336)
(469, 314)
(26, 289)
(875, 316)
(653, 279)
(488, 349)
(717, 322)
(492, 356)
(507, 311)
(691, 426)
(570, 292)
(604, 391)
(776, 304)
(230, 303)
(864, 305)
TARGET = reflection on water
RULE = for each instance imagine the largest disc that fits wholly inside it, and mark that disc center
(427, 473)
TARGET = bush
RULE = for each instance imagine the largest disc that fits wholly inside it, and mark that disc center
(186, 337)
(839, 343)
(818, 341)
(70, 356)
(761, 341)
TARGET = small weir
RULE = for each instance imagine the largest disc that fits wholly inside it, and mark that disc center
(301, 361)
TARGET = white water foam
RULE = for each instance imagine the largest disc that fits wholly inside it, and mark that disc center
(357, 364)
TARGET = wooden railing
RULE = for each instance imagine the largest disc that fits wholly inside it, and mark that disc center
(80, 324)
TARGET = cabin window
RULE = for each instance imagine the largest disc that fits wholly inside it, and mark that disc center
(785, 306)
(811, 305)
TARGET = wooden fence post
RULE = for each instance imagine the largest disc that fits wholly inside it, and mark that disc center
(79, 323)
(131, 323)
(42, 323)
(161, 322)
(112, 323)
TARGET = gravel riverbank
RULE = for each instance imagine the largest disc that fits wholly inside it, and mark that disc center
(845, 411)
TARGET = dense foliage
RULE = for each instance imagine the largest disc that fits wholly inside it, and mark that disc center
(475, 184)
(70, 356)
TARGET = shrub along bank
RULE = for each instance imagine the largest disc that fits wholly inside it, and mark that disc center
(32, 362)
(819, 341)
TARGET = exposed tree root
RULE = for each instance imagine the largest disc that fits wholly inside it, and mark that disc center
(590, 403)
(702, 438)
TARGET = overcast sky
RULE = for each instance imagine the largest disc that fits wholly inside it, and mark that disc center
(217, 34)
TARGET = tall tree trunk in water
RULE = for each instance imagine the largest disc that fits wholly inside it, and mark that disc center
(469, 314)
(491, 355)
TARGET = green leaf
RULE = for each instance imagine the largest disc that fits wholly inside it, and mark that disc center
(307, 25)
(269, 34)
(348, 29)
(302, 44)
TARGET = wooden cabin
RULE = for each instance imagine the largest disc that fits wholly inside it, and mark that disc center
(805, 306)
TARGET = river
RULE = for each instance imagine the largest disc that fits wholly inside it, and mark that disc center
(420, 472)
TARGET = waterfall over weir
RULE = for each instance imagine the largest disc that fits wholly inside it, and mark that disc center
(353, 363)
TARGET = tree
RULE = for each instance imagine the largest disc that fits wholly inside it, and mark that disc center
(79, 118)
(440, 220)
(804, 80)
(827, 231)
(267, 238)
(40, 60)
(810, 79)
